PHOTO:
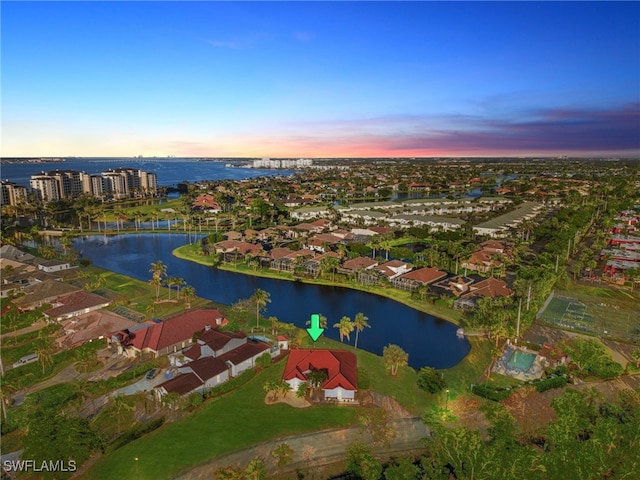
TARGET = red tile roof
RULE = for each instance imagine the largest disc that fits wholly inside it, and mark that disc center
(341, 367)
(360, 262)
(490, 287)
(244, 352)
(182, 384)
(208, 367)
(425, 275)
(175, 330)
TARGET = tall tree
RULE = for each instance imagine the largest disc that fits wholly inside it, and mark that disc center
(360, 322)
(43, 350)
(158, 272)
(188, 294)
(261, 298)
(345, 326)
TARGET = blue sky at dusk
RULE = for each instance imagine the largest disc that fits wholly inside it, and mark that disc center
(320, 79)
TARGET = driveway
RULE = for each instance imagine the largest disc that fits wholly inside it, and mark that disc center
(143, 385)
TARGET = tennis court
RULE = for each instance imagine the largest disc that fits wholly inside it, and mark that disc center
(592, 316)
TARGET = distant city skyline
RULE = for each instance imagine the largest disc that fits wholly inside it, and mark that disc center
(320, 79)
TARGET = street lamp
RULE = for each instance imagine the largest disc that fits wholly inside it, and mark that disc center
(446, 403)
(137, 473)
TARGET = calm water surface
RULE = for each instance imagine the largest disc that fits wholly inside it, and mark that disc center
(427, 340)
(170, 172)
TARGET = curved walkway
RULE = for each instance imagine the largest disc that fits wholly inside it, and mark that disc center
(314, 450)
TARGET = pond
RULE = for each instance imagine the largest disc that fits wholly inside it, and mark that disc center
(429, 341)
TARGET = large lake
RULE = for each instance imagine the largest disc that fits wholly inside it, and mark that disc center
(429, 341)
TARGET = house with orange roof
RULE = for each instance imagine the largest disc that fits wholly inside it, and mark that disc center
(173, 334)
(418, 278)
(487, 288)
(360, 263)
(340, 367)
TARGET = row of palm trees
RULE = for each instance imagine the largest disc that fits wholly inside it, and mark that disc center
(159, 277)
(346, 326)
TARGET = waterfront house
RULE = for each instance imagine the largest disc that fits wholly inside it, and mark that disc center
(340, 367)
(418, 278)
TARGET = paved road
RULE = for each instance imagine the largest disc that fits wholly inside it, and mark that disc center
(324, 447)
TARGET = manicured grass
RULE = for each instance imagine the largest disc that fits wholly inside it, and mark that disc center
(140, 294)
(221, 425)
(469, 370)
(402, 387)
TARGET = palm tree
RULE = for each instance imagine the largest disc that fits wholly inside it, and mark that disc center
(360, 322)
(179, 282)
(330, 264)
(323, 321)
(188, 293)
(261, 298)
(394, 357)
(158, 270)
(345, 327)
(120, 406)
(43, 350)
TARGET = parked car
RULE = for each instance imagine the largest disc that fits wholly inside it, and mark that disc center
(151, 373)
(26, 359)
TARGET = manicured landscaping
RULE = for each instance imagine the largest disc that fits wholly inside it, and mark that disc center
(223, 424)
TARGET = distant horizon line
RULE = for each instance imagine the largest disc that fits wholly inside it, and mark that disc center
(198, 157)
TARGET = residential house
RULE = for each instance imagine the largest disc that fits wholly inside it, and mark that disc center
(393, 269)
(197, 376)
(214, 359)
(74, 304)
(51, 266)
(340, 366)
(90, 326)
(172, 334)
(481, 261)
(235, 247)
(359, 263)
(417, 278)
(40, 293)
(212, 342)
(312, 266)
(487, 288)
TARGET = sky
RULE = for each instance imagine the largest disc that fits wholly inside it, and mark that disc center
(320, 79)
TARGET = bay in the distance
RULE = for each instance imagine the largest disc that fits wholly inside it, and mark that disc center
(170, 171)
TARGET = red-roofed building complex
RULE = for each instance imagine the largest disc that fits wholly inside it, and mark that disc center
(340, 366)
(174, 333)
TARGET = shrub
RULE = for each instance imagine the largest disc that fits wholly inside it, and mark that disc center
(549, 383)
(491, 393)
(430, 380)
(263, 360)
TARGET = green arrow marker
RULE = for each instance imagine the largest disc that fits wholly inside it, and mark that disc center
(315, 331)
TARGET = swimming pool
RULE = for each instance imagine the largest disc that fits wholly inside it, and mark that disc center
(521, 360)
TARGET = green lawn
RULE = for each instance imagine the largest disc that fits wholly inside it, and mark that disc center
(221, 425)
(140, 294)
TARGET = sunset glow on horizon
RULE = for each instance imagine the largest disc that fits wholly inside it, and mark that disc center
(320, 79)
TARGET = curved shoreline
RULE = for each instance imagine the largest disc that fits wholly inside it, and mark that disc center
(440, 314)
